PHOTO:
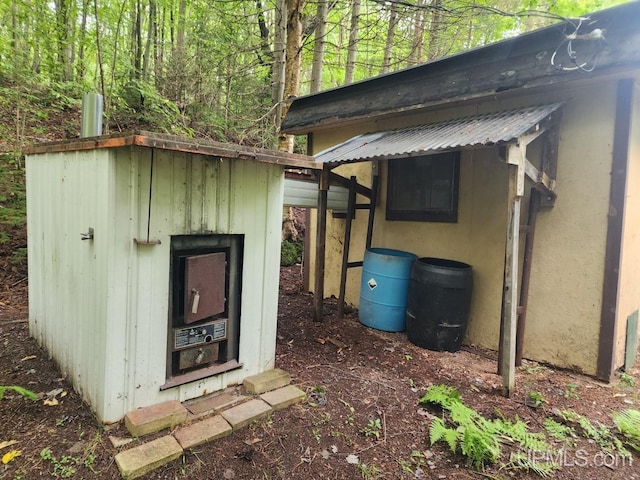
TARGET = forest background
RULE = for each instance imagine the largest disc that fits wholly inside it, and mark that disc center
(217, 69)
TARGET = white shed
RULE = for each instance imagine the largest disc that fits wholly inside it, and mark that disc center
(154, 264)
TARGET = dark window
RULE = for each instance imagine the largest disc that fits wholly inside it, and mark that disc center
(424, 189)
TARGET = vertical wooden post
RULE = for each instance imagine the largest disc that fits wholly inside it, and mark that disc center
(351, 208)
(515, 159)
(374, 201)
(321, 236)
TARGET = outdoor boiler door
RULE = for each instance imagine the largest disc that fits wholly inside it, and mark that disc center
(205, 286)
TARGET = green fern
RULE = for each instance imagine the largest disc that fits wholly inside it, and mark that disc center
(560, 432)
(480, 440)
(520, 461)
(19, 390)
(628, 422)
(607, 441)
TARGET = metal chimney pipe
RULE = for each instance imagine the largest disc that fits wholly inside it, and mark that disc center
(91, 115)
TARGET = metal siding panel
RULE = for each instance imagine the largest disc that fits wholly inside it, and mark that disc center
(301, 193)
(480, 130)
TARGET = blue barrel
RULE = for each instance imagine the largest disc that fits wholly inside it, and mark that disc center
(383, 290)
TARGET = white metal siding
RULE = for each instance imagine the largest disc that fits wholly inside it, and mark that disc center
(101, 307)
(303, 193)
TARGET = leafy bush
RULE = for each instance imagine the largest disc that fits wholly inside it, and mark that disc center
(290, 253)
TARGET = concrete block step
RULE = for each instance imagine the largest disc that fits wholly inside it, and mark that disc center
(155, 418)
(266, 381)
(137, 461)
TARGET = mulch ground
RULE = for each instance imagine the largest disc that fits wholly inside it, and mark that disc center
(361, 418)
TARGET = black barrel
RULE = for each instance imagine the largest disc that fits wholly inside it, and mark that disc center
(438, 303)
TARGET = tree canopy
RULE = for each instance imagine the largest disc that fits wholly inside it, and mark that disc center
(225, 68)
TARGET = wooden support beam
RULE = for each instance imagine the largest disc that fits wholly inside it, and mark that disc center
(509, 318)
(543, 183)
(374, 201)
(335, 179)
(534, 205)
(345, 247)
(550, 162)
(321, 237)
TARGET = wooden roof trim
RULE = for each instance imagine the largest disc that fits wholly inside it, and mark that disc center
(180, 144)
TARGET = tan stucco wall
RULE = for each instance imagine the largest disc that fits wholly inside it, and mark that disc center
(567, 272)
(629, 286)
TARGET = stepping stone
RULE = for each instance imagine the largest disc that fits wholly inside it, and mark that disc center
(283, 397)
(142, 459)
(245, 413)
(266, 381)
(214, 403)
(155, 418)
(203, 431)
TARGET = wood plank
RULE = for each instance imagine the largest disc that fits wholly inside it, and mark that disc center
(510, 292)
(345, 247)
(374, 202)
(336, 179)
(321, 238)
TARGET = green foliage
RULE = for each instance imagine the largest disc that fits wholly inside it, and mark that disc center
(627, 379)
(479, 439)
(570, 391)
(291, 253)
(19, 390)
(536, 398)
(560, 432)
(372, 429)
(520, 461)
(600, 434)
(628, 422)
(63, 467)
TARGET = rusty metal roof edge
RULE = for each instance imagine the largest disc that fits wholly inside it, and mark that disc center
(174, 142)
(448, 127)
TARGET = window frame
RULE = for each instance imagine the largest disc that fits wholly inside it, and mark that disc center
(449, 215)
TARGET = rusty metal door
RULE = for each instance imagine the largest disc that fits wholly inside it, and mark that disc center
(205, 286)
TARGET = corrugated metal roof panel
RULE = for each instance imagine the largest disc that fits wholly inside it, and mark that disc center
(478, 130)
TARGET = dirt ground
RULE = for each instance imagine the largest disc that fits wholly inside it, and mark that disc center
(361, 418)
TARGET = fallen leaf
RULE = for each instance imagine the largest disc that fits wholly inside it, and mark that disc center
(63, 394)
(352, 459)
(30, 357)
(7, 457)
(321, 341)
(51, 402)
(7, 443)
(253, 441)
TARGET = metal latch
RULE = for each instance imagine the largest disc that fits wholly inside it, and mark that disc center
(88, 235)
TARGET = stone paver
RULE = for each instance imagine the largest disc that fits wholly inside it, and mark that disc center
(242, 414)
(203, 431)
(266, 381)
(214, 403)
(154, 418)
(142, 459)
(283, 397)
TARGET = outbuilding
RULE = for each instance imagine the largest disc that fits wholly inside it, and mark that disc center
(154, 264)
(467, 157)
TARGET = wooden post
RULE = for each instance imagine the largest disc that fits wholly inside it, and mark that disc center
(374, 201)
(515, 159)
(351, 209)
(321, 236)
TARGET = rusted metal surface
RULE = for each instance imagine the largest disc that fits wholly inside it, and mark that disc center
(204, 286)
(492, 129)
(606, 348)
(180, 144)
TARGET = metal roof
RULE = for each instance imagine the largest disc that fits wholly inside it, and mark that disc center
(490, 129)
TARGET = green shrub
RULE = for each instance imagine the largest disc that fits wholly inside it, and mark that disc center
(290, 253)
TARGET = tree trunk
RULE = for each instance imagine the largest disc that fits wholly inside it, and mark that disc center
(151, 41)
(292, 65)
(80, 67)
(352, 47)
(434, 30)
(319, 46)
(391, 33)
(415, 56)
(279, 60)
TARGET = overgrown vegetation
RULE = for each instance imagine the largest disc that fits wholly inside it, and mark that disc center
(291, 253)
(485, 441)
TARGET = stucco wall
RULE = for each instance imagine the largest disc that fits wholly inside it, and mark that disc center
(567, 272)
(629, 286)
